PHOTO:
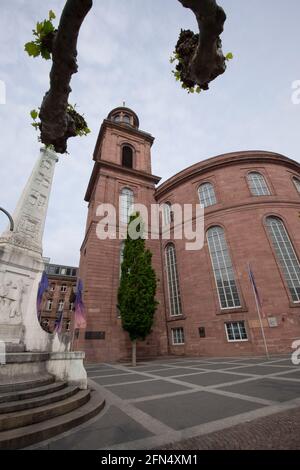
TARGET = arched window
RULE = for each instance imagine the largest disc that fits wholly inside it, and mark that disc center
(173, 281)
(286, 255)
(126, 202)
(223, 269)
(127, 156)
(167, 208)
(297, 183)
(126, 119)
(117, 118)
(207, 195)
(257, 184)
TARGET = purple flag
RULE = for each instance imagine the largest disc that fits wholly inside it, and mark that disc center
(252, 280)
(59, 322)
(43, 286)
(79, 319)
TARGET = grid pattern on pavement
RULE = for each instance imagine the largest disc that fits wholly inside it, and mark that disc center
(168, 400)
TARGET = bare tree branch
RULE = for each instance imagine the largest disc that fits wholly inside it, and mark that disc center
(206, 61)
(56, 124)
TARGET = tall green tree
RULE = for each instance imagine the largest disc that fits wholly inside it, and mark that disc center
(136, 296)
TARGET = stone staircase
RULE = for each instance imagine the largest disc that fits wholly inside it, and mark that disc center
(36, 409)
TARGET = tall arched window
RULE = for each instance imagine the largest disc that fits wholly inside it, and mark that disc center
(297, 183)
(223, 269)
(207, 195)
(286, 255)
(127, 156)
(257, 184)
(126, 202)
(167, 208)
(173, 281)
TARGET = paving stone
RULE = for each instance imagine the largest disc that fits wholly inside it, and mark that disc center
(120, 379)
(259, 370)
(112, 427)
(271, 389)
(144, 389)
(210, 378)
(184, 411)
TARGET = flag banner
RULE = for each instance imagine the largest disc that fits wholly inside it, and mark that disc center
(252, 280)
(79, 314)
(59, 322)
(43, 286)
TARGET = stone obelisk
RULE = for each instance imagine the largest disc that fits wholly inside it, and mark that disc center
(21, 263)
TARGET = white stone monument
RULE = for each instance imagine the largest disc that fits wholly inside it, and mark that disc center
(21, 268)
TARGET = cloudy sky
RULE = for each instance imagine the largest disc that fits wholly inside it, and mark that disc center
(124, 51)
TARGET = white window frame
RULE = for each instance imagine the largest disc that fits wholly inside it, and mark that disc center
(175, 304)
(63, 288)
(178, 338)
(223, 268)
(49, 305)
(240, 340)
(126, 205)
(291, 277)
(207, 195)
(167, 210)
(296, 182)
(61, 306)
(257, 184)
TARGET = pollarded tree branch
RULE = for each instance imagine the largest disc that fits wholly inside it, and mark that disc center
(205, 61)
(56, 124)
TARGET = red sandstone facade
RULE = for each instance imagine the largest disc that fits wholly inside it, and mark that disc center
(251, 216)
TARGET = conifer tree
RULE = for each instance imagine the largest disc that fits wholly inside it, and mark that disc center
(136, 296)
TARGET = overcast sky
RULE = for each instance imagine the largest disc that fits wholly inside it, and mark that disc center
(124, 50)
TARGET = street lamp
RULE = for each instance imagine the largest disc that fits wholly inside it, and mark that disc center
(12, 225)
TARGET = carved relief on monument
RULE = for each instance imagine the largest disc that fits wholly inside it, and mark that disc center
(29, 226)
(12, 295)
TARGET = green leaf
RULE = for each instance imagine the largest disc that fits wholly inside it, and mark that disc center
(229, 56)
(198, 89)
(34, 114)
(45, 54)
(47, 28)
(52, 15)
(32, 49)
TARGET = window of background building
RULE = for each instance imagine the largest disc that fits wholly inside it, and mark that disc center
(71, 306)
(257, 184)
(126, 119)
(173, 281)
(297, 184)
(52, 287)
(223, 269)
(126, 201)
(236, 331)
(286, 255)
(177, 336)
(61, 305)
(207, 195)
(63, 288)
(49, 305)
(68, 324)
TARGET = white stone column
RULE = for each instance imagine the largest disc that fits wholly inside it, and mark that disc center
(21, 263)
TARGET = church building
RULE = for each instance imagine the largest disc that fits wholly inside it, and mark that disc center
(208, 305)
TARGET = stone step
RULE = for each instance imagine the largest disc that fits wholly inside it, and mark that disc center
(31, 403)
(32, 392)
(25, 383)
(42, 413)
(35, 433)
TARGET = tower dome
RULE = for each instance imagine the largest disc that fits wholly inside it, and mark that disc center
(123, 115)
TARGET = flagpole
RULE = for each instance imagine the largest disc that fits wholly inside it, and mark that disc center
(260, 318)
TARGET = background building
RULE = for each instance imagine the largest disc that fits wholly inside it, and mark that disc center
(206, 301)
(59, 297)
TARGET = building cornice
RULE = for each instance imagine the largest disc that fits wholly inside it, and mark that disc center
(211, 164)
(141, 175)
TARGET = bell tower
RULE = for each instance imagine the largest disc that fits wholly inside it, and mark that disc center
(122, 175)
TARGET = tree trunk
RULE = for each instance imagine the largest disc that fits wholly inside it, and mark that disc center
(134, 353)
